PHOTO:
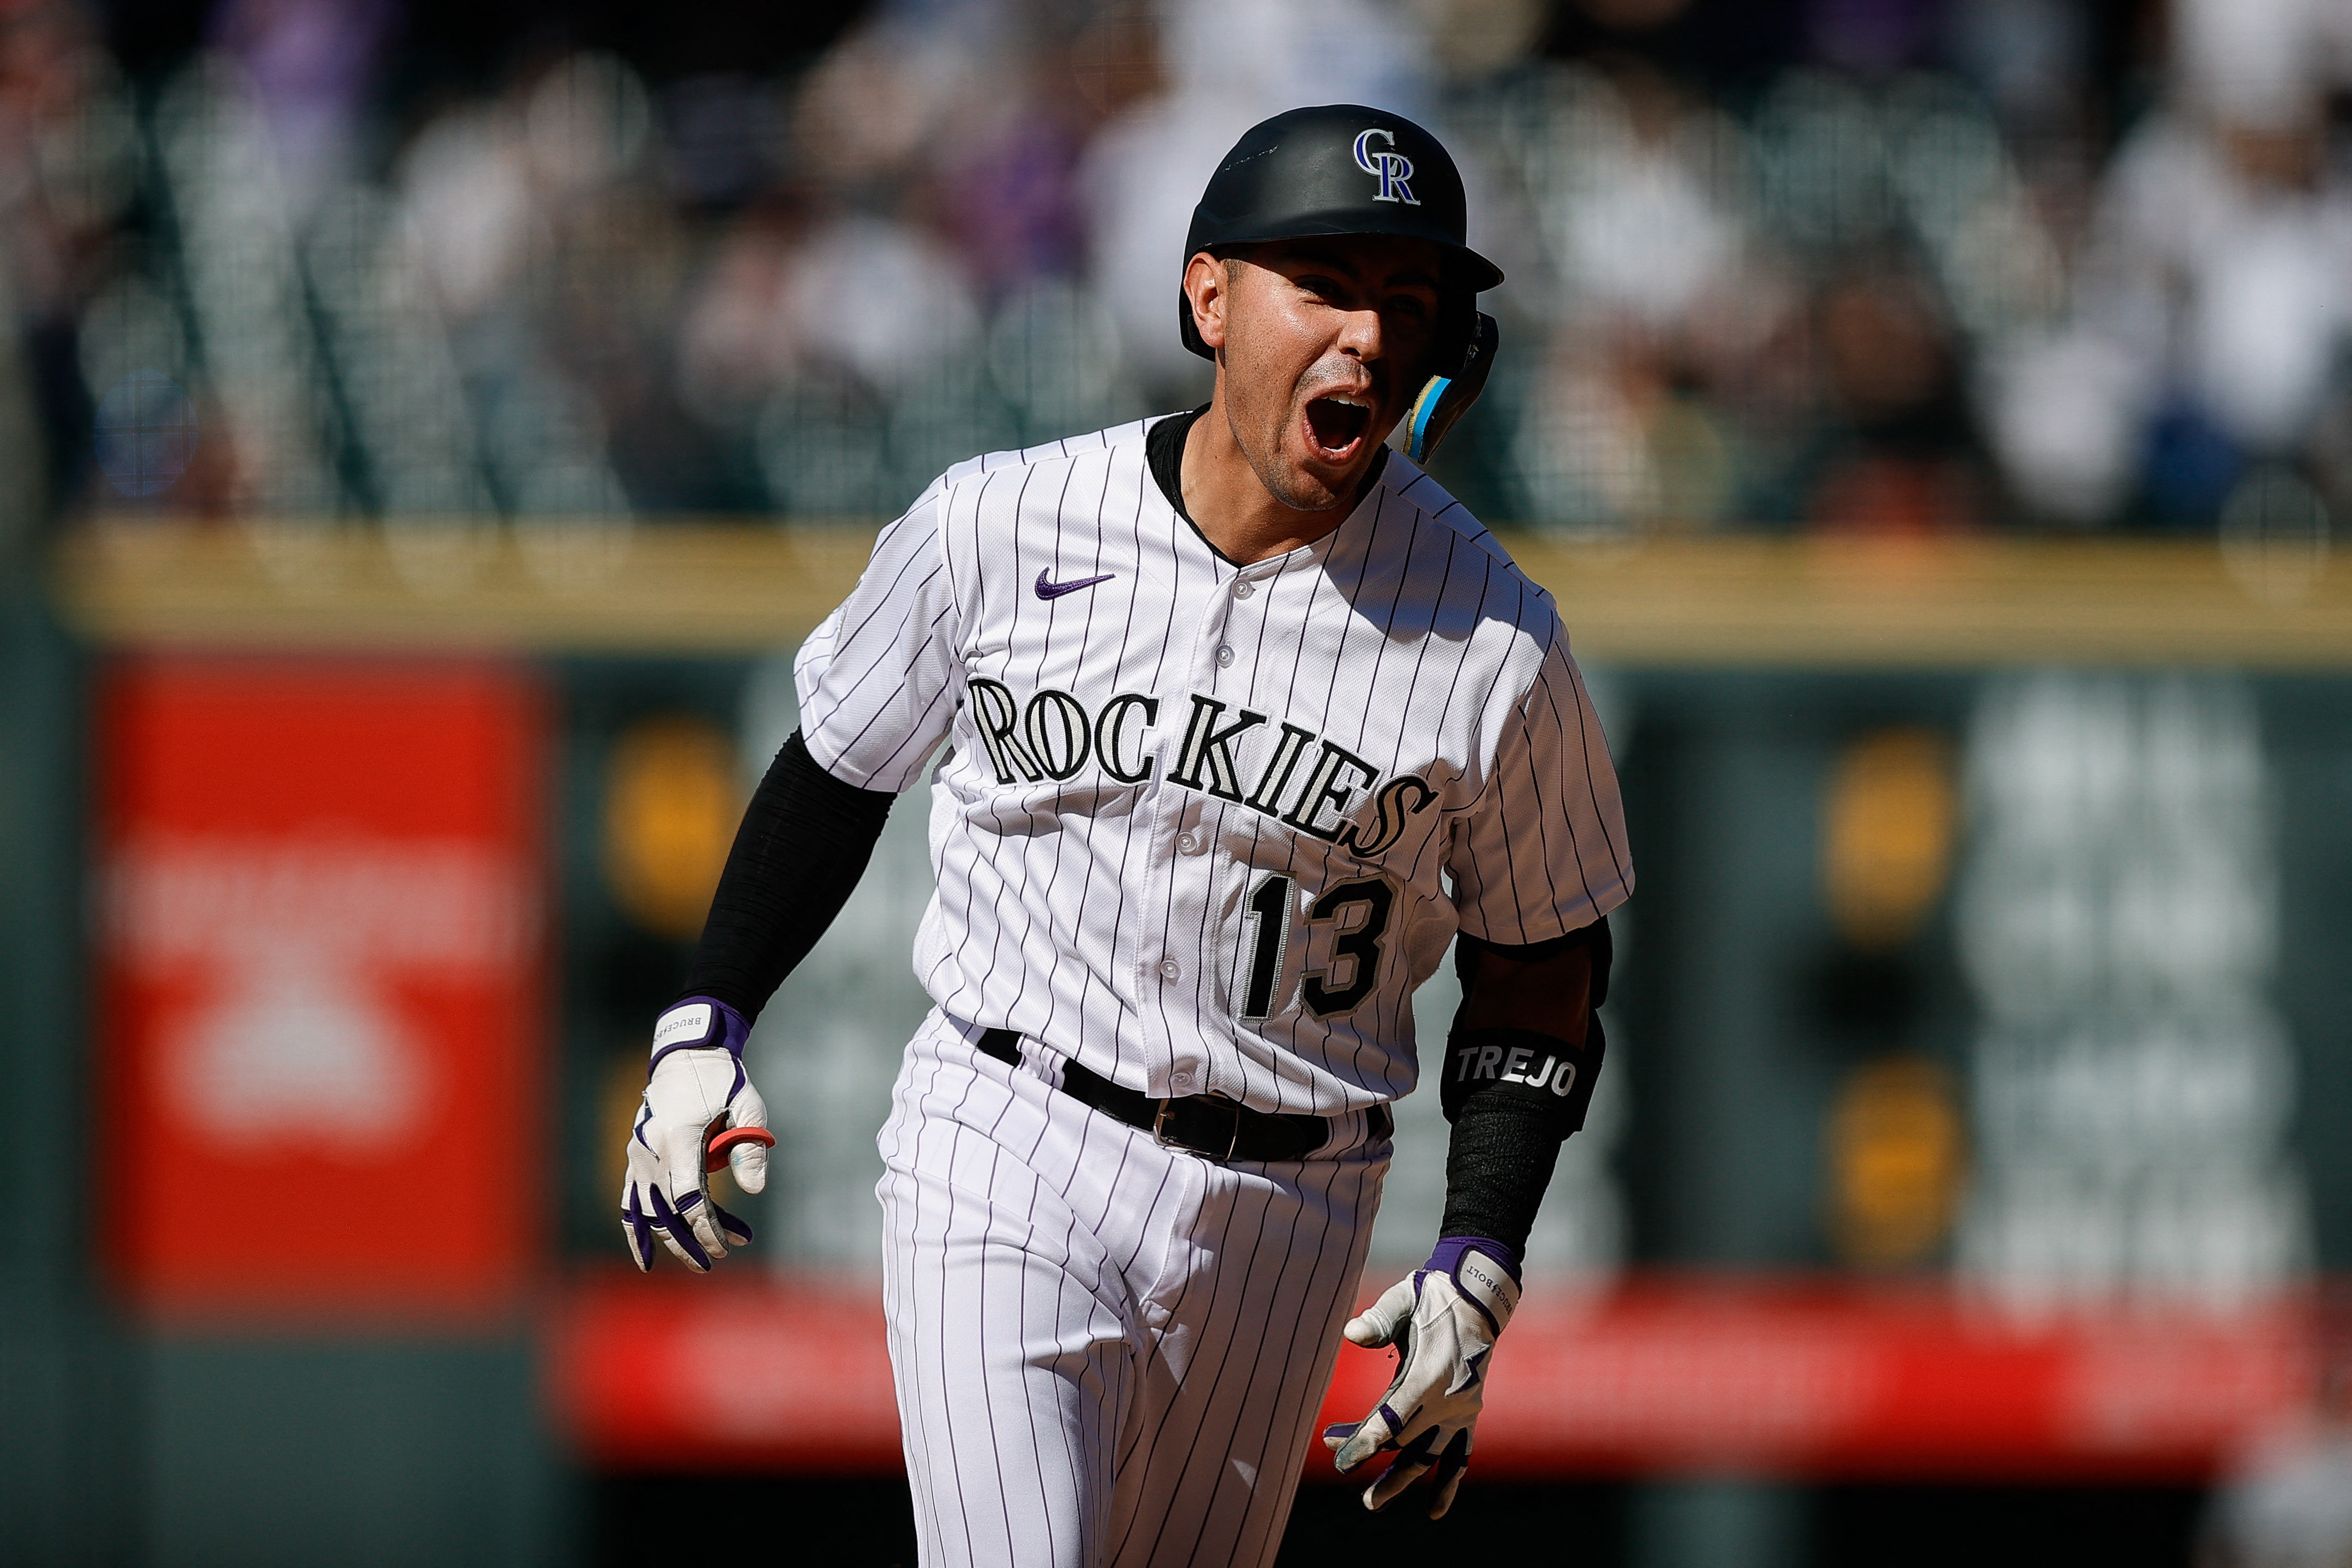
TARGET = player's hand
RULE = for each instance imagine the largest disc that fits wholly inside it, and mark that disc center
(695, 1088)
(1444, 1320)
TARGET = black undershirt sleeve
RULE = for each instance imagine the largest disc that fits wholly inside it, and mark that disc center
(805, 839)
(1499, 1158)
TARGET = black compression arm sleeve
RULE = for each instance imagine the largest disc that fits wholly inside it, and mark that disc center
(804, 842)
(1497, 1164)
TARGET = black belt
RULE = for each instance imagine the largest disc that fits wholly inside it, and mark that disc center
(1201, 1124)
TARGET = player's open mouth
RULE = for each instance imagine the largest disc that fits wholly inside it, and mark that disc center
(1334, 427)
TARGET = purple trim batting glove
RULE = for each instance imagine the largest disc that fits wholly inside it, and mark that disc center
(695, 1086)
(1444, 1320)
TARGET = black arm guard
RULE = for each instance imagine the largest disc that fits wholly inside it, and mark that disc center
(1541, 1071)
(804, 842)
(1514, 1096)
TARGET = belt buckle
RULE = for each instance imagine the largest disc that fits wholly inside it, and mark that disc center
(1167, 1140)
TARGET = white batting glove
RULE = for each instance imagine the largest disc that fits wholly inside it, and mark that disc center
(695, 1087)
(1444, 1320)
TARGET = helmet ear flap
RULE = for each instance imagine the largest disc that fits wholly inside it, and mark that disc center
(1444, 398)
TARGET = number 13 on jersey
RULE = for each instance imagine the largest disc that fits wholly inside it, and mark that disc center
(1356, 913)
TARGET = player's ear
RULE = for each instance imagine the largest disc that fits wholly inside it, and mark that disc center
(1206, 288)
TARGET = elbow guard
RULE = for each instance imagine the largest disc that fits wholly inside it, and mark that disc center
(1541, 1071)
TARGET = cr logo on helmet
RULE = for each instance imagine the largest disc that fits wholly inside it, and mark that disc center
(1391, 169)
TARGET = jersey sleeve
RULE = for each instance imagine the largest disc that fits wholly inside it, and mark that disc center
(879, 681)
(1541, 852)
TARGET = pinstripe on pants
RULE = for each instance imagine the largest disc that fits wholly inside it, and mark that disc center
(1107, 1351)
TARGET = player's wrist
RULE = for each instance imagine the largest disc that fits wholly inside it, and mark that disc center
(698, 1023)
(1450, 1250)
(1484, 1274)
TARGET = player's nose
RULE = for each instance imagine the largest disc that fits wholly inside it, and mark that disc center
(1363, 334)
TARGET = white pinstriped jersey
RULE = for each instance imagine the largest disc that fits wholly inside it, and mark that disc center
(1204, 828)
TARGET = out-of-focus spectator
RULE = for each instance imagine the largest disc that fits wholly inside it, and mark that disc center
(311, 63)
(881, 301)
(2213, 306)
(737, 337)
(467, 187)
(68, 160)
(1903, 265)
(1896, 457)
(553, 263)
(1661, 292)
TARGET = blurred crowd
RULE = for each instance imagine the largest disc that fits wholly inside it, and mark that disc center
(1909, 267)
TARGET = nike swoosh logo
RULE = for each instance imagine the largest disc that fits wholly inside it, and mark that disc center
(1055, 589)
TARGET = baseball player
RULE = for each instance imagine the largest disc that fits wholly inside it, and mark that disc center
(1240, 722)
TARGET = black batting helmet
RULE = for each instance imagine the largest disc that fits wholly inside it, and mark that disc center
(1341, 169)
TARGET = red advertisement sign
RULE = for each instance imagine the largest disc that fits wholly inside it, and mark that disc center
(1661, 1375)
(319, 961)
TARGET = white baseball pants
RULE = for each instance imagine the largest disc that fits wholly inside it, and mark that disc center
(1108, 1354)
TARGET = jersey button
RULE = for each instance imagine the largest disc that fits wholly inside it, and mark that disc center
(1243, 589)
(1224, 657)
(1180, 1082)
(1188, 844)
(1170, 969)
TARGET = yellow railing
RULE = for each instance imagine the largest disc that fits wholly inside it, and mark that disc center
(705, 587)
